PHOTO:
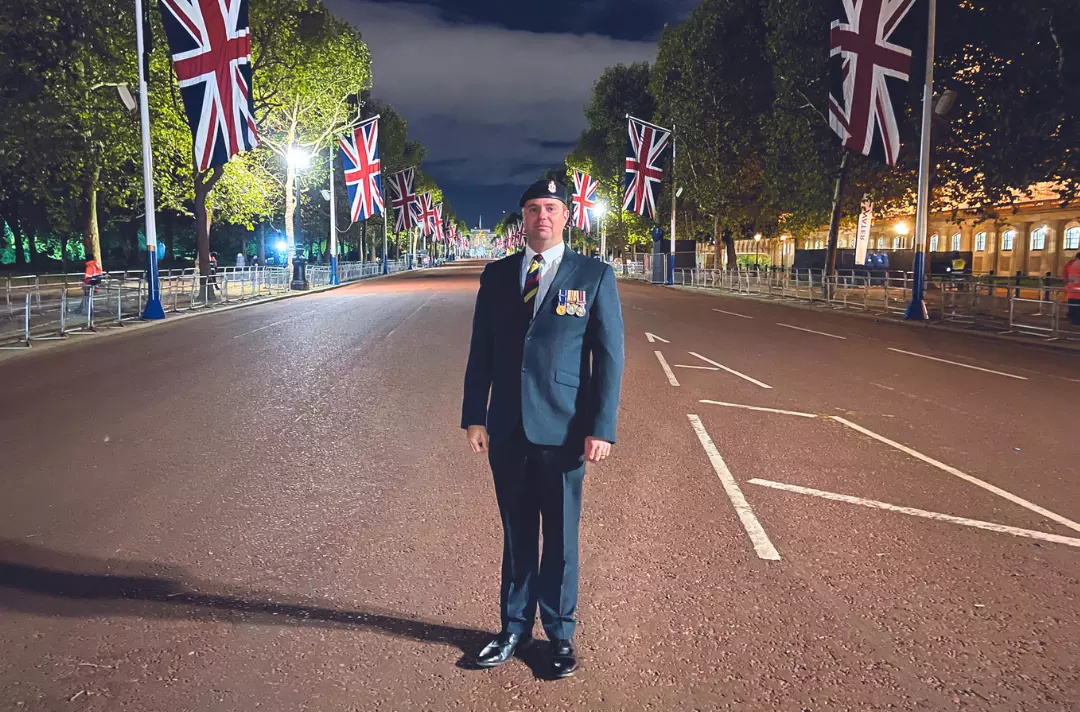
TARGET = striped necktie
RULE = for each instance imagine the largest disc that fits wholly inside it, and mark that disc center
(532, 284)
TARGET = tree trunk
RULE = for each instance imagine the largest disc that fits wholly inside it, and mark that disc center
(204, 183)
(718, 242)
(290, 203)
(262, 243)
(834, 221)
(91, 234)
(15, 223)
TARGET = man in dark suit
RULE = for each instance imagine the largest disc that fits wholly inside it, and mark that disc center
(547, 348)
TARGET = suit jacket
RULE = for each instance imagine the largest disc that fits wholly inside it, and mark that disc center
(558, 376)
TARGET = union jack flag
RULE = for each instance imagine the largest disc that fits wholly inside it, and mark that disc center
(584, 200)
(426, 214)
(644, 166)
(866, 48)
(211, 52)
(363, 171)
(403, 200)
(440, 228)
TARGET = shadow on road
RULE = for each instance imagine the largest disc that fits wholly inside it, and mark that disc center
(40, 581)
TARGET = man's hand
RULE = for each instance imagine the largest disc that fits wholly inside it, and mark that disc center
(596, 450)
(478, 438)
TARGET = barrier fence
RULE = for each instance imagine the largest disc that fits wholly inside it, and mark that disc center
(52, 306)
(1002, 304)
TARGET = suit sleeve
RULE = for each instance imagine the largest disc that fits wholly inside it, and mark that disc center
(607, 358)
(478, 372)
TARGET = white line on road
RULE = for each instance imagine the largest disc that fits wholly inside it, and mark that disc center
(759, 409)
(698, 368)
(741, 316)
(957, 363)
(811, 331)
(988, 526)
(762, 545)
(410, 316)
(667, 369)
(732, 371)
(962, 475)
(276, 323)
(654, 338)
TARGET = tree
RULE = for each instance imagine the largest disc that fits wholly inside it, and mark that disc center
(601, 149)
(712, 81)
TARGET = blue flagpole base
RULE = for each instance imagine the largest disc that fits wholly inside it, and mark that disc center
(916, 310)
(385, 266)
(334, 281)
(152, 310)
(671, 271)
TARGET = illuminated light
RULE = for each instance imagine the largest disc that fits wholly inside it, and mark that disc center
(298, 158)
(902, 228)
(757, 236)
(282, 245)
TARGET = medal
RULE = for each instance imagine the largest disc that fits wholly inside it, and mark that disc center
(561, 309)
(581, 304)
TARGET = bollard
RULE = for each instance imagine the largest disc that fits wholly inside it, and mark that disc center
(299, 279)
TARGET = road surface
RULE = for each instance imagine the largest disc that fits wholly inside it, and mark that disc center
(272, 508)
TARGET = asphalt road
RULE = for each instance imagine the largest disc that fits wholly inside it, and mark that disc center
(272, 508)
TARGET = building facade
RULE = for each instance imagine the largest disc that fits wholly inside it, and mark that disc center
(1033, 237)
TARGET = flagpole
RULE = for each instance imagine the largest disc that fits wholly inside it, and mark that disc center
(671, 266)
(385, 256)
(153, 308)
(917, 309)
(333, 226)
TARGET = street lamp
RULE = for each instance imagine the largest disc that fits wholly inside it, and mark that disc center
(601, 211)
(902, 229)
(757, 251)
(298, 160)
(783, 250)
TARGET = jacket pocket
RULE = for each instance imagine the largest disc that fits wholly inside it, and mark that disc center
(567, 378)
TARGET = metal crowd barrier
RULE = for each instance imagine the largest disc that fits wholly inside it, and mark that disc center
(1000, 304)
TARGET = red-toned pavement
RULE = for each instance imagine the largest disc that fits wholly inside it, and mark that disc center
(272, 508)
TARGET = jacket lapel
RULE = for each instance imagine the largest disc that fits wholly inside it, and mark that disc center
(567, 268)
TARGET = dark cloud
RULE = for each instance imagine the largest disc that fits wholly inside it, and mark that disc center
(490, 103)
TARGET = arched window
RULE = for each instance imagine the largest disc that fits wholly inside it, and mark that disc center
(881, 243)
(980, 242)
(1007, 239)
(935, 242)
(1038, 239)
(1072, 238)
(898, 243)
(819, 245)
(956, 240)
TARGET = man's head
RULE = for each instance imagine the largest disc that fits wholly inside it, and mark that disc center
(544, 211)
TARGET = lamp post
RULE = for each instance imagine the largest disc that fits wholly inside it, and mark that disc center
(757, 251)
(298, 159)
(601, 212)
(783, 250)
(153, 308)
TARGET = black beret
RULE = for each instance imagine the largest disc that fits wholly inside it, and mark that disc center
(544, 189)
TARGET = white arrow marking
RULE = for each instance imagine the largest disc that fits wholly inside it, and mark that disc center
(653, 338)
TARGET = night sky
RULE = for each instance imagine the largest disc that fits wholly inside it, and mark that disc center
(495, 89)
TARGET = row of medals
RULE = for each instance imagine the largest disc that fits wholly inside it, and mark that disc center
(572, 302)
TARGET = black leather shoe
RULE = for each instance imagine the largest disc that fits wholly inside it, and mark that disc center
(500, 650)
(564, 661)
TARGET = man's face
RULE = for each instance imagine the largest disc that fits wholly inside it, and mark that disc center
(545, 218)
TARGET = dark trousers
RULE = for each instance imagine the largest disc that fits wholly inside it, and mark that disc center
(1074, 311)
(535, 485)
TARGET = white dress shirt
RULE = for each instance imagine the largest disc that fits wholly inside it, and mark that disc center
(548, 268)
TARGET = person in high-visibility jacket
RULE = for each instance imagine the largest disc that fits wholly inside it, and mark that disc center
(1071, 275)
(91, 278)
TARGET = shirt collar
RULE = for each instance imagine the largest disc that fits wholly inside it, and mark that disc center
(551, 255)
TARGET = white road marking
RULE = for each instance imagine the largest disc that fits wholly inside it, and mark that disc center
(654, 338)
(410, 316)
(732, 371)
(698, 368)
(962, 475)
(988, 526)
(741, 316)
(759, 409)
(667, 369)
(962, 365)
(762, 545)
(811, 331)
(276, 323)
